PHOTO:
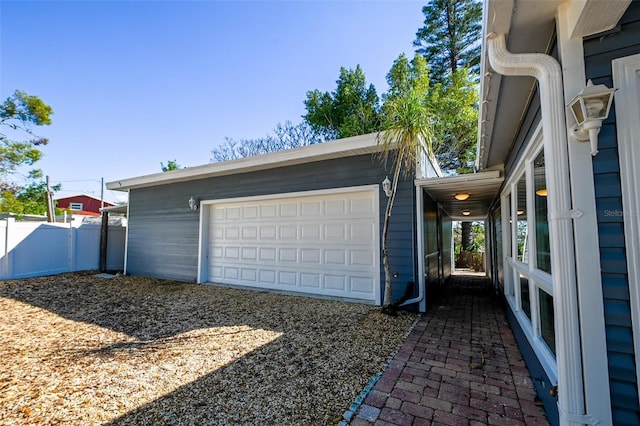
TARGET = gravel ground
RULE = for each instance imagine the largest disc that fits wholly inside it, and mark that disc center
(79, 349)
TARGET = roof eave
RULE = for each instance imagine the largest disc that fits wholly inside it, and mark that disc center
(522, 22)
(357, 145)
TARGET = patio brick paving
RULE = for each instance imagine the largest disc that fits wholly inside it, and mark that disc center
(460, 365)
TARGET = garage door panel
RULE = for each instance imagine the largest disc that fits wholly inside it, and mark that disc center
(361, 257)
(248, 274)
(322, 244)
(288, 210)
(268, 211)
(288, 255)
(362, 285)
(288, 278)
(335, 282)
(335, 208)
(310, 280)
(250, 212)
(361, 206)
(335, 257)
(288, 232)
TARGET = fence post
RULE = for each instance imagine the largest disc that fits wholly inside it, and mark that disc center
(6, 250)
(70, 254)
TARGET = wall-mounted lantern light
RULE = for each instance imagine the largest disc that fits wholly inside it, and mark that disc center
(461, 196)
(193, 204)
(590, 108)
(386, 186)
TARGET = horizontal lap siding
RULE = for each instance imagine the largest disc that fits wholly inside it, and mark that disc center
(599, 52)
(163, 233)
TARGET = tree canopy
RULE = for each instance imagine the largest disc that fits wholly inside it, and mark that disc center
(19, 113)
(284, 136)
(171, 165)
(353, 108)
(450, 37)
(455, 120)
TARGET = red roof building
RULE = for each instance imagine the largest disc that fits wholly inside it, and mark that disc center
(82, 204)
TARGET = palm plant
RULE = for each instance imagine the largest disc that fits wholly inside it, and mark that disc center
(407, 134)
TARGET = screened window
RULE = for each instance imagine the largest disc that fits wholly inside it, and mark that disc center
(528, 254)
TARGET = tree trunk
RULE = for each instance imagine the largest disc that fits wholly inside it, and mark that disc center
(466, 244)
(385, 229)
(467, 236)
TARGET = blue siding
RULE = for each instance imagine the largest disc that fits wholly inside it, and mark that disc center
(599, 52)
(163, 233)
(540, 379)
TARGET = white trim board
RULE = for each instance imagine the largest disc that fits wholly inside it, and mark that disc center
(588, 276)
(626, 77)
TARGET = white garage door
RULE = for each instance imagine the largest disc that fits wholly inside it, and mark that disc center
(325, 244)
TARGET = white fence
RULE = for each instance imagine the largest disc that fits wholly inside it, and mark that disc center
(31, 249)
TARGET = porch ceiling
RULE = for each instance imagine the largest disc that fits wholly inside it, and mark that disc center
(482, 188)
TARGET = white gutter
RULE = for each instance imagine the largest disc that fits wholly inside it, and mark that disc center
(567, 326)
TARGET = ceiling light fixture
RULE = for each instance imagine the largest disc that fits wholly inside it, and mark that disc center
(461, 196)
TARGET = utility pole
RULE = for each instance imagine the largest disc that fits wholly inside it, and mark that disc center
(50, 216)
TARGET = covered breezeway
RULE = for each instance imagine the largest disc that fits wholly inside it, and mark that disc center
(438, 208)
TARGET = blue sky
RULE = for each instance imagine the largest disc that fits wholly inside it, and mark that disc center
(136, 83)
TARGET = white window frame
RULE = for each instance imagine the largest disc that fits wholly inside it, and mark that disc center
(76, 206)
(537, 279)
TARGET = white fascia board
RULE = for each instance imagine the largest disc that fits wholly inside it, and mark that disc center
(496, 18)
(356, 145)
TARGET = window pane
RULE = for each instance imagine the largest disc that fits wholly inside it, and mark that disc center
(525, 302)
(547, 319)
(521, 213)
(543, 250)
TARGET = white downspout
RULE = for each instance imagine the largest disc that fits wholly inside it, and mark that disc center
(548, 73)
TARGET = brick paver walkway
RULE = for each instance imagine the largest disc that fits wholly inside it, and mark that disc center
(459, 366)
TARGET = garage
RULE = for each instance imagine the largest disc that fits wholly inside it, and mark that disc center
(318, 242)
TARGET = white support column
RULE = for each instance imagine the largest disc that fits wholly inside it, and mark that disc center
(126, 235)
(420, 242)
(567, 326)
(589, 280)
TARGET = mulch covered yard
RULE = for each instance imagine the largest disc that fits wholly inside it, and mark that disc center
(79, 349)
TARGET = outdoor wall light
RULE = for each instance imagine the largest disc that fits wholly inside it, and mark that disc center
(466, 212)
(542, 192)
(193, 204)
(590, 107)
(386, 186)
(461, 196)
